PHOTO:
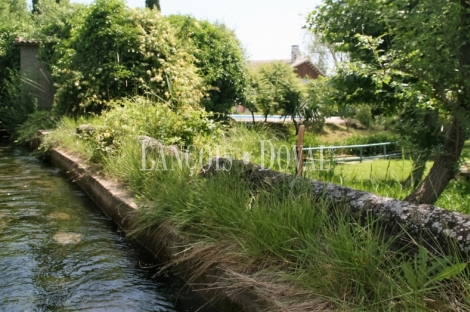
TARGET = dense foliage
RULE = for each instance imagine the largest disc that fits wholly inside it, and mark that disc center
(316, 104)
(118, 52)
(278, 89)
(53, 22)
(133, 117)
(219, 59)
(15, 21)
(406, 54)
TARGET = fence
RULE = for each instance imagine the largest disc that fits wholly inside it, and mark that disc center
(331, 149)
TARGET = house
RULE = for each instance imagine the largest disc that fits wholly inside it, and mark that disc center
(303, 67)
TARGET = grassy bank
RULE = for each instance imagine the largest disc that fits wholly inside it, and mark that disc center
(298, 254)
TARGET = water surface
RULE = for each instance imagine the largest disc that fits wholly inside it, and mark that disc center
(58, 252)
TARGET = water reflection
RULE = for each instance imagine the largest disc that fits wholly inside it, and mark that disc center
(59, 254)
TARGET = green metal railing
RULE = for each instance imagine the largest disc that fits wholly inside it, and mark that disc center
(361, 147)
(301, 151)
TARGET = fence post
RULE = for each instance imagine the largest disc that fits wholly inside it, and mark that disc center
(299, 147)
(360, 152)
(331, 156)
(385, 151)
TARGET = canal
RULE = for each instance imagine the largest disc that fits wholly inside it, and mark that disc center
(59, 252)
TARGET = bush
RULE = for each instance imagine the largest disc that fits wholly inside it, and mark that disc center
(364, 115)
(219, 59)
(118, 52)
(373, 150)
(15, 102)
(139, 116)
(29, 130)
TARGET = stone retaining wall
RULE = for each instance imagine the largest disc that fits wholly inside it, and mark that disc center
(435, 227)
(119, 205)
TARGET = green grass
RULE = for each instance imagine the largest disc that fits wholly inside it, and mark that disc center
(282, 232)
(302, 250)
(382, 177)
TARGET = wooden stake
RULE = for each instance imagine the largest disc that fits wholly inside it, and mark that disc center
(299, 147)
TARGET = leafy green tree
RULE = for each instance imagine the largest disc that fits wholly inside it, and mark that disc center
(250, 93)
(219, 59)
(406, 53)
(53, 23)
(118, 52)
(279, 90)
(316, 103)
(153, 4)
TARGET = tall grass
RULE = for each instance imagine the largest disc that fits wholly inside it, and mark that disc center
(285, 233)
(65, 136)
(330, 258)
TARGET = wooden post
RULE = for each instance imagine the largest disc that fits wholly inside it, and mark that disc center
(299, 147)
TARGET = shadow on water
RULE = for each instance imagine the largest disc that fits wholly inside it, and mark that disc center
(61, 253)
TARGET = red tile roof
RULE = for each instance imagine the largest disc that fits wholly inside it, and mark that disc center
(257, 63)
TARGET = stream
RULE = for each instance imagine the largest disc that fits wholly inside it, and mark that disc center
(59, 252)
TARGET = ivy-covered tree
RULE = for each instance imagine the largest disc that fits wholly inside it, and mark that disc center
(407, 53)
(118, 52)
(15, 22)
(219, 59)
(153, 4)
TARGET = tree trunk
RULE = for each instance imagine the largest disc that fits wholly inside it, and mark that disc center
(35, 3)
(266, 115)
(444, 169)
(423, 152)
(419, 166)
(446, 165)
(296, 125)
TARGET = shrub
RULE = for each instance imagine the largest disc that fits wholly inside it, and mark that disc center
(15, 102)
(139, 116)
(373, 150)
(364, 115)
(119, 52)
(29, 130)
(219, 59)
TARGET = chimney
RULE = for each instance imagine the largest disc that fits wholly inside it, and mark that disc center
(295, 54)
